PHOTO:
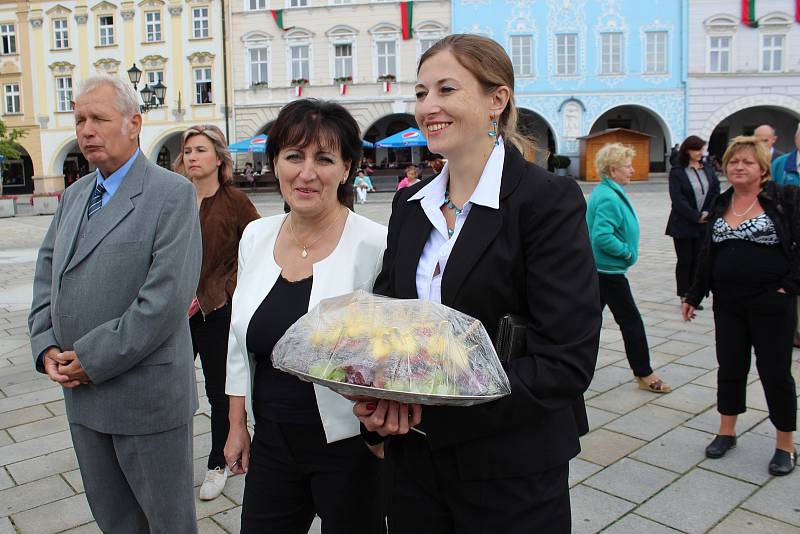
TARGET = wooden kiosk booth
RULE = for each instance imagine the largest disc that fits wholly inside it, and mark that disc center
(592, 143)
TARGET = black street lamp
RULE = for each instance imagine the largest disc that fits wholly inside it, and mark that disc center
(152, 98)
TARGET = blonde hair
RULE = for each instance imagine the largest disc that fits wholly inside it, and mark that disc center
(750, 142)
(612, 156)
(492, 67)
(217, 138)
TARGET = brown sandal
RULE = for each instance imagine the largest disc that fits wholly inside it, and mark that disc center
(655, 386)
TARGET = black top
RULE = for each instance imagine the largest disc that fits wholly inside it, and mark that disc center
(748, 259)
(782, 207)
(279, 396)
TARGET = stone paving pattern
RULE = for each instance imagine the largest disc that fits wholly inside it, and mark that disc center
(642, 468)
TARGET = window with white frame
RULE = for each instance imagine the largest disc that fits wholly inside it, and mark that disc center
(202, 86)
(154, 77)
(343, 60)
(297, 3)
(200, 22)
(299, 54)
(64, 93)
(8, 39)
(387, 57)
(152, 26)
(719, 53)
(655, 61)
(342, 2)
(60, 33)
(566, 54)
(11, 92)
(772, 53)
(105, 24)
(259, 65)
(255, 5)
(522, 54)
(611, 53)
(426, 42)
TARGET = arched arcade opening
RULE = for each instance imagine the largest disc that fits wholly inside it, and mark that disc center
(640, 119)
(745, 121)
(534, 127)
(18, 174)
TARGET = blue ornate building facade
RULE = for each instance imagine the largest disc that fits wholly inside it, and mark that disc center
(583, 66)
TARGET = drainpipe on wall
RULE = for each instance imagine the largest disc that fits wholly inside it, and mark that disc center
(225, 71)
(685, 66)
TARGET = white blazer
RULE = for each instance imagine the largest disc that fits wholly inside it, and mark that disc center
(353, 265)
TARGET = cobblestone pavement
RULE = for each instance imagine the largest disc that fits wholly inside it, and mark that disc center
(642, 468)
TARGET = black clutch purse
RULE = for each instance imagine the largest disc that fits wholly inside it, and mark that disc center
(511, 337)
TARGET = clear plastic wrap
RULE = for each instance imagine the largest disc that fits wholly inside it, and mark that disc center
(412, 351)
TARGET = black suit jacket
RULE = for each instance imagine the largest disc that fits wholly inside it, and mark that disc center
(530, 257)
(685, 213)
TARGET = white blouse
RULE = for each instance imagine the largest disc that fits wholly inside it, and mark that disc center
(438, 247)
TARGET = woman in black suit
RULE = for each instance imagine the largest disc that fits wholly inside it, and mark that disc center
(693, 187)
(491, 234)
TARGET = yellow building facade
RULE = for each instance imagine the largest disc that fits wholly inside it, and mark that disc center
(58, 44)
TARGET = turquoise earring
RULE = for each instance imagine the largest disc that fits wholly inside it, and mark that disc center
(493, 132)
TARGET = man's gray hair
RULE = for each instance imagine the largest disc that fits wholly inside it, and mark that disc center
(126, 101)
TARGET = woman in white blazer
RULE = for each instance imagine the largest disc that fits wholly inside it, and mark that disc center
(307, 456)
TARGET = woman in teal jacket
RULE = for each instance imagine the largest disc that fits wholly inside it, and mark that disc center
(614, 231)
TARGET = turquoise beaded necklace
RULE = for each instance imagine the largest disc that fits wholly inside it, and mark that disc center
(449, 204)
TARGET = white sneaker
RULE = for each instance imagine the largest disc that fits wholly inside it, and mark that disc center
(213, 484)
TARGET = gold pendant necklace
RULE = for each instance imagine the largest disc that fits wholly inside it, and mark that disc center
(304, 252)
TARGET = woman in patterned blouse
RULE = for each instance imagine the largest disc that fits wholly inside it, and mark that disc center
(749, 263)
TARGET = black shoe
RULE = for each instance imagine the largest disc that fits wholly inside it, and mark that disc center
(720, 445)
(782, 463)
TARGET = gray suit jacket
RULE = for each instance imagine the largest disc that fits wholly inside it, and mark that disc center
(118, 297)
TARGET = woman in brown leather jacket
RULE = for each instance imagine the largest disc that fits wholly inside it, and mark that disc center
(224, 212)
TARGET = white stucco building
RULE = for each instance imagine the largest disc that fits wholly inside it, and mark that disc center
(741, 77)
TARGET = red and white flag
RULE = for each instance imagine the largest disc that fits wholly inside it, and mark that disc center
(342, 88)
(298, 91)
(387, 85)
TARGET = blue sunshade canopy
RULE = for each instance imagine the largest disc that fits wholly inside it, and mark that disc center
(406, 138)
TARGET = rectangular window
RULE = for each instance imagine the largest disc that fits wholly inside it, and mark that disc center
(8, 38)
(60, 33)
(200, 22)
(106, 25)
(258, 4)
(202, 86)
(154, 77)
(655, 53)
(64, 93)
(300, 66)
(258, 65)
(343, 56)
(298, 3)
(611, 53)
(342, 2)
(426, 43)
(152, 26)
(11, 91)
(772, 53)
(521, 56)
(387, 57)
(567, 54)
(719, 58)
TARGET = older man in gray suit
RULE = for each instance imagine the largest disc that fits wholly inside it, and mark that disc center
(114, 279)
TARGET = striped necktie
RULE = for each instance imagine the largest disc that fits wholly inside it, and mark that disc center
(96, 202)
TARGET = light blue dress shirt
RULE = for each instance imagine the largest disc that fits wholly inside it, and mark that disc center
(113, 182)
